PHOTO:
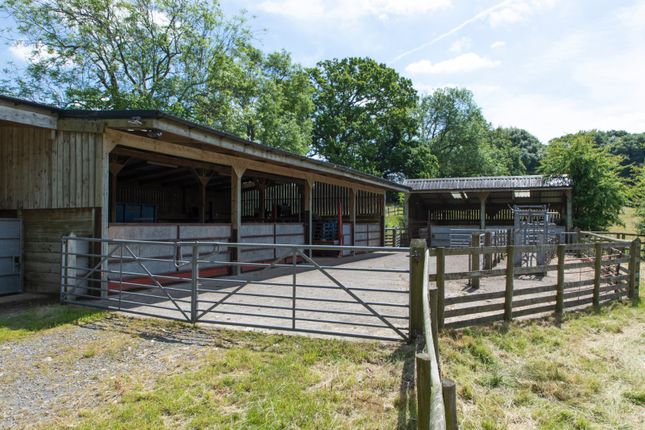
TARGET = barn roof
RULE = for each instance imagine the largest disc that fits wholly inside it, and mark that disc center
(490, 183)
(227, 141)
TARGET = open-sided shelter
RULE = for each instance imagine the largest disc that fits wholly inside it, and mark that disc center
(436, 207)
(153, 176)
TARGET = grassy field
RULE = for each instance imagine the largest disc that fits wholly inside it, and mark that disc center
(629, 219)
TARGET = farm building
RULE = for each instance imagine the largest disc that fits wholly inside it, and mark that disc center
(444, 208)
(152, 176)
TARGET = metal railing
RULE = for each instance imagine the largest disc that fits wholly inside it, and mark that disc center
(300, 289)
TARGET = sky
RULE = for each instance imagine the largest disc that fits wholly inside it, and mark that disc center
(549, 66)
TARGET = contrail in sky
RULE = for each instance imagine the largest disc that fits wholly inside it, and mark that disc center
(480, 15)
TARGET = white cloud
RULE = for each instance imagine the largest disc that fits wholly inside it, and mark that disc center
(463, 63)
(498, 44)
(460, 45)
(519, 10)
(344, 10)
(28, 53)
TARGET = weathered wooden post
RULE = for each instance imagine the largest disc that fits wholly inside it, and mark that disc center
(450, 403)
(424, 391)
(634, 270)
(559, 296)
(597, 274)
(474, 281)
(417, 259)
(510, 275)
(441, 286)
(488, 257)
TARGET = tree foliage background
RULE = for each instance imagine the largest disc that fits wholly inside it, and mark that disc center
(187, 58)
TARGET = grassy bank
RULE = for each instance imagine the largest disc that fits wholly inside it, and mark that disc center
(586, 374)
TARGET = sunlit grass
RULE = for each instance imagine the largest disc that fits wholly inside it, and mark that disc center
(15, 325)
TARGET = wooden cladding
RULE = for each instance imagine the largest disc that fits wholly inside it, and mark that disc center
(41, 170)
(43, 230)
(494, 215)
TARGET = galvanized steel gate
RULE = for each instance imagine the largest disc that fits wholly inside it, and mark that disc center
(10, 256)
(360, 296)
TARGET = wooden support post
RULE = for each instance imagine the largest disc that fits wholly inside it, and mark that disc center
(236, 213)
(596, 279)
(262, 187)
(203, 180)
(115, 168)
(352, 213)
(482, 210)
(308, 193)
(488, 258)
(417, 272)
(383, 219)
(433, 297)
(510, 275)
(424, 391)
(634, 270)
(450, 403)
(441, 286)
(569, 215)
(475, 259)
(559, 296)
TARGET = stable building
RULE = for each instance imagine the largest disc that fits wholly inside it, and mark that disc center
(149, 175)
(443, 208)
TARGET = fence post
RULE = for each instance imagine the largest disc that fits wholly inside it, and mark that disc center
(559, 295)
(597, 273)
(488, 257)
(510, 279)
(441, 286)
(433, 296)
(634, 270)
(193, 283)
(417, 257)
(474, 281)
(424, 390)
(450, 403)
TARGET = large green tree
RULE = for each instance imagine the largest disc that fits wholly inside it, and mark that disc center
(364, 118)
(599, 194)
(264, 98)
(122, 53)
(638, 198)
(531, 149)
(181, 56)
(453, 127)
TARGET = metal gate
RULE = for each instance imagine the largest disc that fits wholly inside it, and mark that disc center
(10, 256)
(304, 288)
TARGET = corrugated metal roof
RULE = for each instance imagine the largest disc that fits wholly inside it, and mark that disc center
(489, 183)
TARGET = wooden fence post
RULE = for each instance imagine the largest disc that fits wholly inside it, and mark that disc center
(510, 274)
(450, 403)
(474, 281)
(597, 274)
(424, 391)
(559, 295)
(434, 296)
(488, 258)
(417, 258)
(441, 286)
(634, 270)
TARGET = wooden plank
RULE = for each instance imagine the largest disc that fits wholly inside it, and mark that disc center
(474, 298)
(533, 301)
(27, 116)
(474, 321)
(534, 290)
(532, 311)
(473, 310)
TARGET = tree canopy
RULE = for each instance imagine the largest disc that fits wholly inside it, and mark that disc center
(364, 118)
(598, 192)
